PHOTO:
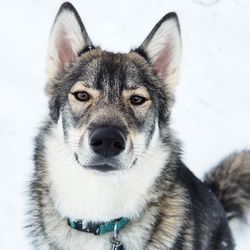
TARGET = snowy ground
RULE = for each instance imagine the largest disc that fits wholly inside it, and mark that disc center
(211, 115)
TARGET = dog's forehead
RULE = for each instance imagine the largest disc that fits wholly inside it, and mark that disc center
(101, 69)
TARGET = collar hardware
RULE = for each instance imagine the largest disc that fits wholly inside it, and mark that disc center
(116, 240)
(98, 228)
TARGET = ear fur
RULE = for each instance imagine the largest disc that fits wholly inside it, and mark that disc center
(162, 48)
(67, 39)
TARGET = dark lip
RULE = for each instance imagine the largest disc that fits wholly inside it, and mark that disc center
(100, 167)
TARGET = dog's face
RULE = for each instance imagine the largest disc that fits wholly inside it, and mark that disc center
(113, 107)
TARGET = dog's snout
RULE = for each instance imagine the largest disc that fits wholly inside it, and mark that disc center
(107, 141)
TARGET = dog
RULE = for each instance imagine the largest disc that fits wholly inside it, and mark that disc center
(108, 168)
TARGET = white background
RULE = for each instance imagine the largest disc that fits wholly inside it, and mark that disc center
(211, 115)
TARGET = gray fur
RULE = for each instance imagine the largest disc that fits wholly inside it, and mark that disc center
(172, 209)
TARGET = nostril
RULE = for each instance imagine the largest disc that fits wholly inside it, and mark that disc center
(107, 141)
(119, 145)
(96, 142)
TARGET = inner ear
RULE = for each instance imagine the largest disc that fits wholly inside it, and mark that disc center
(66, 54)
(162, 48)
(68, 39)
(162, 61)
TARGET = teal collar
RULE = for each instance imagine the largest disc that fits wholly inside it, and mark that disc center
(98, 228)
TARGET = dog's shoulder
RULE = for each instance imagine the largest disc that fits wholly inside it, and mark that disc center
(204, 216)
(198, 194)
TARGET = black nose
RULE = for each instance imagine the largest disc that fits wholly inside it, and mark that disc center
(107, 141)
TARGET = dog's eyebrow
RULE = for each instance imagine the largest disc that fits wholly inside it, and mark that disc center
(78, 85)
(133, 87)
(140, 90)
(85, 84)
(132, 84)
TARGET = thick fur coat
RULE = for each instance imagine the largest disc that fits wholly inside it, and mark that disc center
(134, 170)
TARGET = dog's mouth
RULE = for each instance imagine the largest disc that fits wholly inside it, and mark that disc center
(103, 167)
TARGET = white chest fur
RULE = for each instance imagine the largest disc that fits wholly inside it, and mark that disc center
(80, 193)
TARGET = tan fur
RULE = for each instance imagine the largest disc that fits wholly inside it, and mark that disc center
(81, 86)
(173, 212)
(135, 57)
(141, 91)
(92, 54)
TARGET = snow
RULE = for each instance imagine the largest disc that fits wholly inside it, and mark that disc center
(211, 115)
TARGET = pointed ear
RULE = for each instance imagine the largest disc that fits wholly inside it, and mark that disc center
(162, 48)
(68, 39)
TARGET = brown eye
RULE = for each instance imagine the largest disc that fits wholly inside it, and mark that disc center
(81, 96)
(137, 100)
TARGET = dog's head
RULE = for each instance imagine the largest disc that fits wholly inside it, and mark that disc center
(113, 107)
